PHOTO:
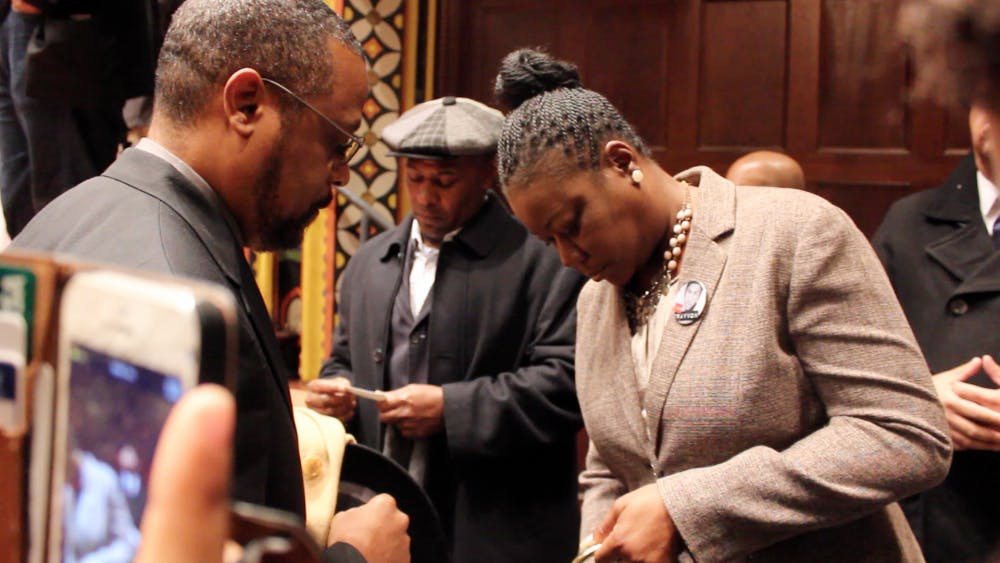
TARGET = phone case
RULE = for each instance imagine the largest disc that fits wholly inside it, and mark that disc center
(32, 283)
(28, 285)
(138, 374)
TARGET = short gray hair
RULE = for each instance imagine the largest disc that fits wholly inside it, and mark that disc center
(208, 40)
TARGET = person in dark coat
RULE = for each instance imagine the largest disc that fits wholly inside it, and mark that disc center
(245, 143)
(467, 323)
(940, 249)
(66, 69)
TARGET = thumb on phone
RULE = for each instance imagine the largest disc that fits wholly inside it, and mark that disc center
(187, 515)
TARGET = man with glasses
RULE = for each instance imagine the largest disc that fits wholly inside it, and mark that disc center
(253, 107)
(467, 323)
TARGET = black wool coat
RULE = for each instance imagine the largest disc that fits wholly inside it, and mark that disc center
(946, 273)
(501, 332)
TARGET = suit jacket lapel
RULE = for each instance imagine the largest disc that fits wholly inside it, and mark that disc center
(985, 279)
(253, 303)
(159, 179)
(384, 283)
(154, 176)
(614, 362)
(624, 385)
(714, 216)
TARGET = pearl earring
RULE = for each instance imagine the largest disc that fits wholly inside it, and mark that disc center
(637, 176)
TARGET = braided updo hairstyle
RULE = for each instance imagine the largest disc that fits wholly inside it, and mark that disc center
(552, 114)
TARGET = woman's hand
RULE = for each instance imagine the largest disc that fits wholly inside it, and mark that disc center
(639, 529)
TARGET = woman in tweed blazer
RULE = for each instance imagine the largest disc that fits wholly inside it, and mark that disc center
(779, 421)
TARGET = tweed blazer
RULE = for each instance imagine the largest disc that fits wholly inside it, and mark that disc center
(786, 421)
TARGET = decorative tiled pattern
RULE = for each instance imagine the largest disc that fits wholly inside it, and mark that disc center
(378, 25)
(335, 237)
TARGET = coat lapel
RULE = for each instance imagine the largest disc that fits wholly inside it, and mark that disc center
(985, 279)
(383, 284)
(967, 252)
(963, 251)
(714, 202)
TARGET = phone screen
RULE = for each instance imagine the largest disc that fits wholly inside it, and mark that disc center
(116, 412)
(8, 381)
(10, 408)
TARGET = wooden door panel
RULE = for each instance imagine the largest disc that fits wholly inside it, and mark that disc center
(742, 91)
(705, 81)
(868, 200)
(637, 80)
(862, 76)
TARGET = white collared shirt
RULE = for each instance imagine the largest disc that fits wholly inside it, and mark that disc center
(423, 270)
(989, 201)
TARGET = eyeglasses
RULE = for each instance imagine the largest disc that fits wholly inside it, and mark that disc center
(345, 151)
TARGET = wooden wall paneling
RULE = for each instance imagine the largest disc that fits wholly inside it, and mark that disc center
(682, 103)
(927, 134)
(868, 201)
(957, 141)
(862, 76)
(802, 113)
(742, 92)
(501, 28)
(873, 144)
(452, 39)
(636, 79)
(705, 81)
(484, 31)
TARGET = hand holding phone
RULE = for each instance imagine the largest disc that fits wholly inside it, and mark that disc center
(128, 348)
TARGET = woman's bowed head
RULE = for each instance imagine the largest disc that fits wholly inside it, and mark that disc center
(578, 176)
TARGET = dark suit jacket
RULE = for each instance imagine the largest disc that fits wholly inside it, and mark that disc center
(503, 473)
(946, 274)
(143, 214)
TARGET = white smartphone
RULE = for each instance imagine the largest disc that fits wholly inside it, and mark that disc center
(128, 348)
(13, 390)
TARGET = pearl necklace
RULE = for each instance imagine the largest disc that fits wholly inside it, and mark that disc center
(638, 308)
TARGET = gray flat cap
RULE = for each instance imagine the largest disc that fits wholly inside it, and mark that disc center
(443, 128)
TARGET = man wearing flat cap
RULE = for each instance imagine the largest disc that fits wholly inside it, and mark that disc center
(467, 323)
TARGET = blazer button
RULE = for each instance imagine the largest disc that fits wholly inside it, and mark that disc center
(378, 356)
(958, 307)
